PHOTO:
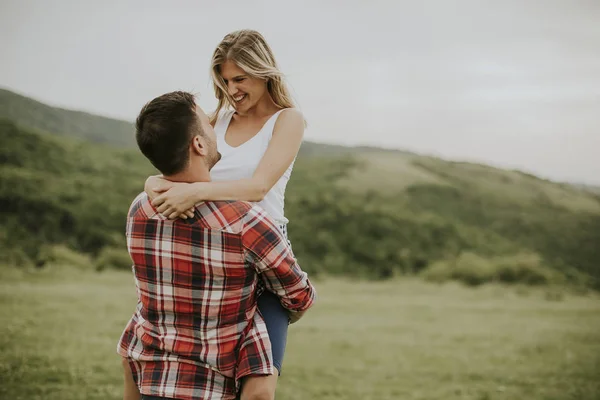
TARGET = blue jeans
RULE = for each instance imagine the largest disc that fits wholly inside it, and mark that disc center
(277, 320)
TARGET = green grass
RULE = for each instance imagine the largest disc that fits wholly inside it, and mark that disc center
(388, 172)
(513, 186)
(392, 172)
(401, 339)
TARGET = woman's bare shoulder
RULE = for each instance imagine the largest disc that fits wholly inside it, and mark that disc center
(290, 116)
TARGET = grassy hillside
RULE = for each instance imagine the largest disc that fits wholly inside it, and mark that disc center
(31, 113)
(61, 190)
(361, 212)
(420, 210)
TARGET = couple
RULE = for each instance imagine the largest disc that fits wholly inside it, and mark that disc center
(205, 262)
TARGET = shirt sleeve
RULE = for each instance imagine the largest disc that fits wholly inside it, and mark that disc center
(268, 251)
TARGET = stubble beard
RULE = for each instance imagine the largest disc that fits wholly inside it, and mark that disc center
(214, 160)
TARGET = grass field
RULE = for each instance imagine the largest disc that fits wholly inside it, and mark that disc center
(395, 340)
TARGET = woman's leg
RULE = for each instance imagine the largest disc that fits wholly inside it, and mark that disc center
(131, 391)
(262, 387)
(277, 321)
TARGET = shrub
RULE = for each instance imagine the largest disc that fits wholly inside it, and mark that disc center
(438, 272)
(62, 255)
(113, 258)
(473, 269)
(15, 256)
(524, 268)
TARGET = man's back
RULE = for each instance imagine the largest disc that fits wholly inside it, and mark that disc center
(195, 331)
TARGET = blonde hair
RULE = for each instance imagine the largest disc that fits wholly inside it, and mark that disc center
(249, 50)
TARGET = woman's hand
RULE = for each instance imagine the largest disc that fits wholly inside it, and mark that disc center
(175, 199)
(155, 185)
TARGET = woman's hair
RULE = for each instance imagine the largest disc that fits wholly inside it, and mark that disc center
(249, 50)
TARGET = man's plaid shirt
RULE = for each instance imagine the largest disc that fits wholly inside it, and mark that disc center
(195, 331)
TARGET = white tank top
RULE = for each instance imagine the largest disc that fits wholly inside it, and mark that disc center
(240, 162)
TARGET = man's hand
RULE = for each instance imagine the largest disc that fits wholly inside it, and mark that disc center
(295, 316)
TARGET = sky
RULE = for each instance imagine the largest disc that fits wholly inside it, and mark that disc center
(513, 83)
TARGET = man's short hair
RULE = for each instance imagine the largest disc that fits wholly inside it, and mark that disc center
(164, 129)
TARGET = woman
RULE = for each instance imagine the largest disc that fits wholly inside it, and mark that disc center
(259, 132)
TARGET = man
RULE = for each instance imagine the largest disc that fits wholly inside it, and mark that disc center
(195, 332)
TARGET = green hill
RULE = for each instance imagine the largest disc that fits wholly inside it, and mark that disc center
(31, 113)
(61, 190)
(354, 211)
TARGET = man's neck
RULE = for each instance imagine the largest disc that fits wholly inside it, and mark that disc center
(190, 175)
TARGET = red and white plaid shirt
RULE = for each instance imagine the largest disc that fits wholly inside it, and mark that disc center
(195, 331)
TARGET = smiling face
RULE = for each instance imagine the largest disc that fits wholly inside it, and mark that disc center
(245, 74)
(243, 90)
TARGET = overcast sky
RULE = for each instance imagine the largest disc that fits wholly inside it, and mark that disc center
(512, 83)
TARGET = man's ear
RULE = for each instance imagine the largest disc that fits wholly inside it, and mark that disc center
(199, 145)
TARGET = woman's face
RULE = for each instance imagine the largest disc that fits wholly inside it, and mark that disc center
(244, 90)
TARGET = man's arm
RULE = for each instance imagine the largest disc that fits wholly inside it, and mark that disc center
(269, 253)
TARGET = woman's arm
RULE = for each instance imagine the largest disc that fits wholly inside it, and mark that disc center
(288, 133)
